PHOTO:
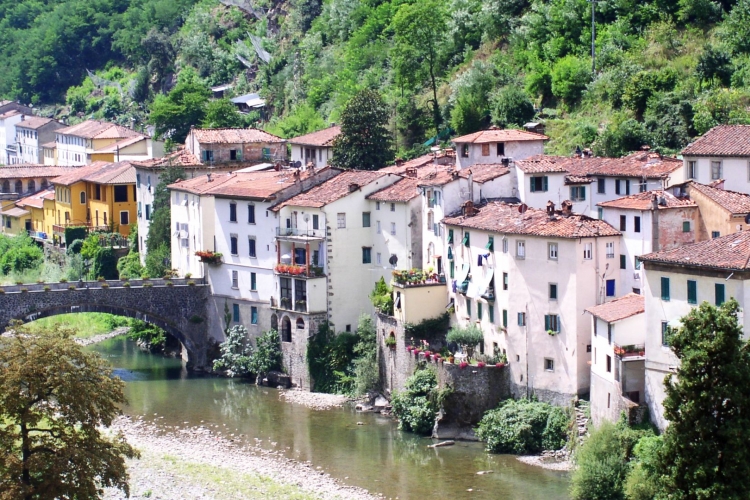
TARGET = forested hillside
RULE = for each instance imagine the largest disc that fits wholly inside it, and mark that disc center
(666, 70)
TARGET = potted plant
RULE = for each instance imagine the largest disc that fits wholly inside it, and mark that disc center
(126, 284)
(47, 288)
(63, 280)
(463, 365)
(105, 285)
(451, 359)
(100, 279)
(191, 283)
(390, 342)
(551, 333)
(481, 364)
(24, 290)
(188, 276)
(169, 283)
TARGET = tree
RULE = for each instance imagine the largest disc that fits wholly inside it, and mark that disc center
(236, 353)
(159, 238)
(511, 106)
(705, 453)
(185, 106)
(416, 406)
(618, 140)
(267, 355)
(221, 113)
(382, 297)
(54, 398)
(467, 338)
(364, 142)
(419, 32)
(365, 365)
(570, 76)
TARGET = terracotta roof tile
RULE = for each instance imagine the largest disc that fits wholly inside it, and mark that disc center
(200, 184)
(418, 163)
(78, 174)
(113, 173)
(731, 252)
(543, 163)
(333, 189)
(641, 164)
(233, 136)
(15, 212)
(94, 129)
(643, 201)
(323, 137)
(722, 140)
(261, 185)
(403, 190)
(578, 179)
(180, 157)
(34, 122)
(732, 201)
(28, 171)
(500, 135)
(502, 217)
(619, 308)
(482, 173)
(8, 114)
(49, 145)
(36, 200)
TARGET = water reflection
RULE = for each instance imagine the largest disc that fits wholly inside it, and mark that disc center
(375, 455)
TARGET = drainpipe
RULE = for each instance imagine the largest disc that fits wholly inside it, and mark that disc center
(654, 224)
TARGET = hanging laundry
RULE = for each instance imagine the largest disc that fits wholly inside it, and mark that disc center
(479, 260)
(454, 285)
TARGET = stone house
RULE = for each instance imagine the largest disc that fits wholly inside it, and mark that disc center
(235, 145)
(722, 211)
(315, 148)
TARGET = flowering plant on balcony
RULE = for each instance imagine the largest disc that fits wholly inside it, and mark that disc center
(209, 256)
(290, 269)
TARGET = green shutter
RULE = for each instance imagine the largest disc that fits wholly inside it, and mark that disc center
(692, 292)
(491, 312)
(664, 288)
(720, 290)
(491, 244)
(545, 184)
(450, 235)
(623, 262)
(450, 255)
(686, 226)
(583, 192)
(573, 192)
(533, 184)
(453, 269)
(546, 322)
(479, 310)
(465, 241)
(505, 318)
(468, 307)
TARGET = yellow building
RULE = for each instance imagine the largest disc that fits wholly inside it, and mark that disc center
(15, 220)
(100, 196)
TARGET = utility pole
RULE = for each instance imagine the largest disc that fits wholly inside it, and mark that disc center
(593, 36)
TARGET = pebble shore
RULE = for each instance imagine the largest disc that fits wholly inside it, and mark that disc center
(104, 336)
(314, 400)
(199, 463)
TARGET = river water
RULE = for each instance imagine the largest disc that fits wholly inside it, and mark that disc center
(376, 455)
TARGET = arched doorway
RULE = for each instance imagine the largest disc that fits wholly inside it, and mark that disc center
(286, 329)
(19, 187)
(32, 185)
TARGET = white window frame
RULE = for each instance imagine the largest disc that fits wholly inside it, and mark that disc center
(692, 169)
(235, 280)
(377, 226)
(341, 220)
(552, 251)
(520, 249)
(716, 164)
(610, 249)
(393, 228)
(587, 251)
(127, 215)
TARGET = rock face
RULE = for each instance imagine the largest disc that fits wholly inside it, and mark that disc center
(278, 379)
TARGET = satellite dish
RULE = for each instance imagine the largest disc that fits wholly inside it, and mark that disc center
(393, 260)
(298, 164)
(522, 208)
(747, 219)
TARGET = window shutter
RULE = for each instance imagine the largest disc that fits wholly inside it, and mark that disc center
(627, 186)
(546, 322)
(583, 192)
(545, 185)
(533, 184)
(664, 288)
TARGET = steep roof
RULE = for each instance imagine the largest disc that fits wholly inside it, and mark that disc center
(500, 135)
(180, 157)
(499, 217)
(722, 140)
(731, 252)
(641, 164)
(619, 308)
(731, 201)
(323, 137)
(333, 189)
(95, 129)
(643, 201)
(29, 171)
(34, 122)
(233, 136)
(402, 190)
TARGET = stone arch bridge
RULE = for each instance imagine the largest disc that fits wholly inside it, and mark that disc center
(173, 305)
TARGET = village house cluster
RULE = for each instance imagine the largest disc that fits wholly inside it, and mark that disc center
(574, 268)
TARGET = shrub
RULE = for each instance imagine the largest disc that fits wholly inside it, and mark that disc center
(467, 338)
(570, 76)
(511, 106)
(365, 364)
(71, 287)
(148, 335)
(416, 406)
(329, 358)
(382, 297)
(105, 285)
(63, 280)
(191, 283)
(236, 353)
(126, 284)
(524, 426)
(267, 355)
(24, 289)
(47, 288)
(169, 283)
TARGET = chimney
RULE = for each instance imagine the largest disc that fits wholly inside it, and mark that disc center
(550, 208)
(468, 209)
(208, 176)
(353, 187)
(567, 208)
(411, 172)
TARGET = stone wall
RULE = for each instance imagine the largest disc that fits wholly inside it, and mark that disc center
(295, 352)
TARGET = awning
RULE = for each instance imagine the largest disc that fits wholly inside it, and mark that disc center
(463, 273)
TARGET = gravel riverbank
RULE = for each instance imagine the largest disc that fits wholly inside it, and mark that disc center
(315, 400)
(198, 463)
(104, 336)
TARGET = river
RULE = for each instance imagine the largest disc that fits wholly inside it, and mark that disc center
(375, 455)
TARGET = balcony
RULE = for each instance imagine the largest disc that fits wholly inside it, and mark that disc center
(60, 228)
(297, 233)
(298, 271)
(414, 277)
(625, 352)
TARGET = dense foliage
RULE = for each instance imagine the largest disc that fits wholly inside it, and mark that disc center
(55, 397)
(236, 353)
(467, 337)
(416, 406)
(19, 253)
(159, 239)
(365, 362)
(267, 355)
(523, 427)
(147, 335)
(329, 359)
(382, 297)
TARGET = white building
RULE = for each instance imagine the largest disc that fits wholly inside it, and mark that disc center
(8, 148)
(721, 153)
(650, 221)
(526, 278)
(31, 133)
(494, 145)
(77, 145)
(316, 147)
(618, 334)
(678, 280)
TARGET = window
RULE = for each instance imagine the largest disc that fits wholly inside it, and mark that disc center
(316, 222)
(715, 234)
(637, 262)
(686, 226)
(485, 149)
(465, 151)
(379, 258)
(637, 224)
(522, 319)
(393, 228)
(552, 322)
(505, 281)
(490, 244)
(623, 223)
(623, 262)
(505, 318)
(253, 281)
(450, 236)
(233, 244)
(549, 364)
(235, 279)
(377, 227)
(715, 170)
(254, 315)
(553, 291)
(393, 207)
(366, 255)
(251, 214)
(365, 219)
(208, 155)
(235, 154)
(468, 307)
(539, 184)
(341, 220)
(505, 245)
(121, 194)
(587, 251)
(578, 193)
(692, 170)
(692, 292)
(83, 197)
(610, 247)
(664, 288)
(719, 290)
(610, 288)
(520, 249)
(664, 333)
(124, 218)
(600, 185)
(609, 366)
(500, 149)
(467, 239)
(610, 332)
(479, 310)
(552, 251)
(236, 313)
(452, 269)
(251, 247)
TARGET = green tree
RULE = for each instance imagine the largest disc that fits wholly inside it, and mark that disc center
(511, 106)
(416, 406)
(221, 113)
(54, 398)
(159, 239)
(524, 426)
(382, 297)
(419, 35)
(185, 106)
(618, 140)
(705, 453)
(570, 75)
(365, 364)
(467, 114)
(130, 266)
(365, 142)
(236, 353)
(468, 338)
(267, 355)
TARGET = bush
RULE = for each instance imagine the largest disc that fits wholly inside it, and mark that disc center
(382, 297)
(21, 258)
(329, 358)
(523, 427)
(267, 355)
(416, 406)
(365, 365)
(148, 335)
(511, 106)
(570, 76)
(619, 140)
(467, 338)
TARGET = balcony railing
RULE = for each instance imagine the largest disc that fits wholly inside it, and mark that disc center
(60, 228)
(304, 233)
(299, 271)
(630, 350)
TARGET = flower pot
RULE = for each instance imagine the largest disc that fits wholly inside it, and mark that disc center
(450, 359)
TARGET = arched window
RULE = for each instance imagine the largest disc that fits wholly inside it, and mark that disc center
(300, 324)
(6, 186)
(44, 184)
(286, 330)
(19, 187)
(32, 186)
(274, 322)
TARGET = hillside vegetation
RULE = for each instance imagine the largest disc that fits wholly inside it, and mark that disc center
(666, 70)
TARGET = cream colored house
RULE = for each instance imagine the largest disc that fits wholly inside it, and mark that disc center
(315, 148)
(494, 145)
(77, 145)
(722, 211)
(721, 153)
(31, 133)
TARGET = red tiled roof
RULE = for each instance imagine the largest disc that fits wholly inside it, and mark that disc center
(419, 162)
(28, 171)
(36, 200)
(502, 217)
(578, 179)
(619, 308)
(722, 140)
(200, 184)
(8, 114)
(333, 189)
(403, 190)
(500, 135)
(731, 201)
(94, 129)
(641, 164)
(261, 185)
(78, 174)
(34, 122)
(543, 163)
(323, 137)
(731, 252)
(180, 157)
(643, 201)
(482, 173)
(114, 173)
(233, 136)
